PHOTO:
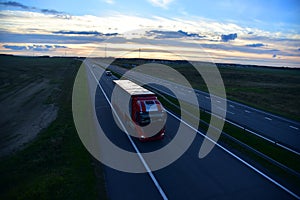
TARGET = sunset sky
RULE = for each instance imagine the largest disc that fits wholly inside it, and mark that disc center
(231, 31)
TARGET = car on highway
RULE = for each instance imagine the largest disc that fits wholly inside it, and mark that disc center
(108, 73)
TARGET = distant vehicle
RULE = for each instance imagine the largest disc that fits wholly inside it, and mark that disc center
(144, 116)
(108, 73)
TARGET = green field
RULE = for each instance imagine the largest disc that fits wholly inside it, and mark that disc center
(55, 165)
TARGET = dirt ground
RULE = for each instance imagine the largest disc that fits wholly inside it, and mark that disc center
(29, 88)
(24, 115)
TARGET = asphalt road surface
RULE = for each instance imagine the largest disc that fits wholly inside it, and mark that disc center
(278, 129)
(217, 176)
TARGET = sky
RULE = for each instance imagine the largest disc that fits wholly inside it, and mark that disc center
(228, 31)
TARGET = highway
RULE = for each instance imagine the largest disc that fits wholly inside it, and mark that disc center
(220, 175)
(279, 130)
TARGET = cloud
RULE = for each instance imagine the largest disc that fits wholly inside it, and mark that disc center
(15, 4)
(226, 38)
(33, 47)
(160, 3)
(109, 1)
(172, 34)
(7, 37)
(96, 33)
(190, 34)
(51, 11)
(15, 47)
(85, 32)
(255, 45)
(19, 5)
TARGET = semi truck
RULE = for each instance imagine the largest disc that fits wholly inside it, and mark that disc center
(139, 110)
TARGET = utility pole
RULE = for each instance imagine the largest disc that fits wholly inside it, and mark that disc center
(139, 53)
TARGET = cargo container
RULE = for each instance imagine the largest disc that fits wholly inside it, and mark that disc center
(140, 110)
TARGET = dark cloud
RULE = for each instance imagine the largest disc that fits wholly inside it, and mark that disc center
(226, 38)
(59, 47)
(85, 33)
(250, 33)
(7, 37)
(15, 4)
(190, 34)
(15, 47)
(34, 47)
(51, 11)
(172, 34)
(45, 11)
(255, 45)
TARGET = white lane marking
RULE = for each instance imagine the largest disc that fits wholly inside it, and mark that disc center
(247, 111)
(235, 124)
(218, 101)
(225, 110)
(293, 127)
(289, 149)
(268, 118)
(231, 122)
(162, 193)
(238, 158)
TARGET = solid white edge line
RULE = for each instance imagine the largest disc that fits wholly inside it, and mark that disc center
(162, 193)
(238, 158)
(231, 101)
(233, 123)
(258, 135)
(288, 149)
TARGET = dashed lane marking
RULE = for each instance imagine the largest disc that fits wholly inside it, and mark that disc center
(293, 127)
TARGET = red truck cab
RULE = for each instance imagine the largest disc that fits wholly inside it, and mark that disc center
(146, 115)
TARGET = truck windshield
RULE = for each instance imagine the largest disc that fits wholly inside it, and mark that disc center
(144, 117)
